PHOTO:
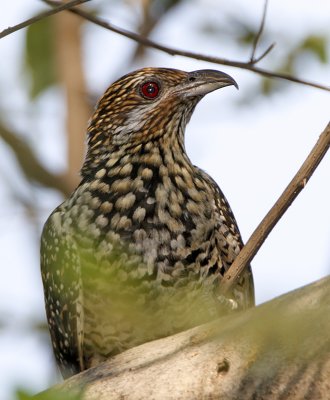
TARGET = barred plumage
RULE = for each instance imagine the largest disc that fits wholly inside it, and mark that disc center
(139, 249)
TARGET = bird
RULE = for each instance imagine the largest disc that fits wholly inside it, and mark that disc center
(139, 249)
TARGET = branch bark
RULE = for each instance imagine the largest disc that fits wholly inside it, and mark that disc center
(280, 349)
(189, 54)
(253, 59)
(31, 166)
(276, 212)
(30, 21)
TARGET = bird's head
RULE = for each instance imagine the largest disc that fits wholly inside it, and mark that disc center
(148, 104)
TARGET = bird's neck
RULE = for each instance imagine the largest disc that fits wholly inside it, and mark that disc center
(162, 150)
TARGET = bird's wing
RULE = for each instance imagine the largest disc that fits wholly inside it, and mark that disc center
(60, 269)
(245, 286)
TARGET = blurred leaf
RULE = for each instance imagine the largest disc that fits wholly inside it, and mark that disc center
(248, 37)
(39, 326)
(232, 27)
(288, 66)
(39, 56)
(209, 28)
(49, 395)
(317, 45)
(23, 395)
(267, 86)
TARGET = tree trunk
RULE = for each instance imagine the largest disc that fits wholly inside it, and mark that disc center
(278, 350)
(69, 56)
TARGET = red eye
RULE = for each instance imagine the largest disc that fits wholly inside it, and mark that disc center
(150, 90)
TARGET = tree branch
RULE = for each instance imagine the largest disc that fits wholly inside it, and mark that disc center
(68, 45)
(40, 16)
(31, 166)
(253, 60)
(177, 52)
(263, 55)
(273, 216)
(279, 350)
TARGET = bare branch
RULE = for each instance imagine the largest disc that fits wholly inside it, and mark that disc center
(258, 35)
(40, 16)
(31, 166)
(177, 52)
(283, 203)
(278, 350)
(264, 54)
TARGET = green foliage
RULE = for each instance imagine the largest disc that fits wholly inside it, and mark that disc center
(245, 33)
(52, 394)
(39, 56)
(248, 37)
(267, 86)
(316, 45)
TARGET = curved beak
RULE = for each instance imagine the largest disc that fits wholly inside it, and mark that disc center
(204, 81)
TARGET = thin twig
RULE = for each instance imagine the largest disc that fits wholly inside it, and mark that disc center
(40, 16)
(264, 54)
(258, 35)
(283, 203)
(177, 52)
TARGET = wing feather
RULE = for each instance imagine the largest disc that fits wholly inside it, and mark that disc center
(60, 269)
(244, 291)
